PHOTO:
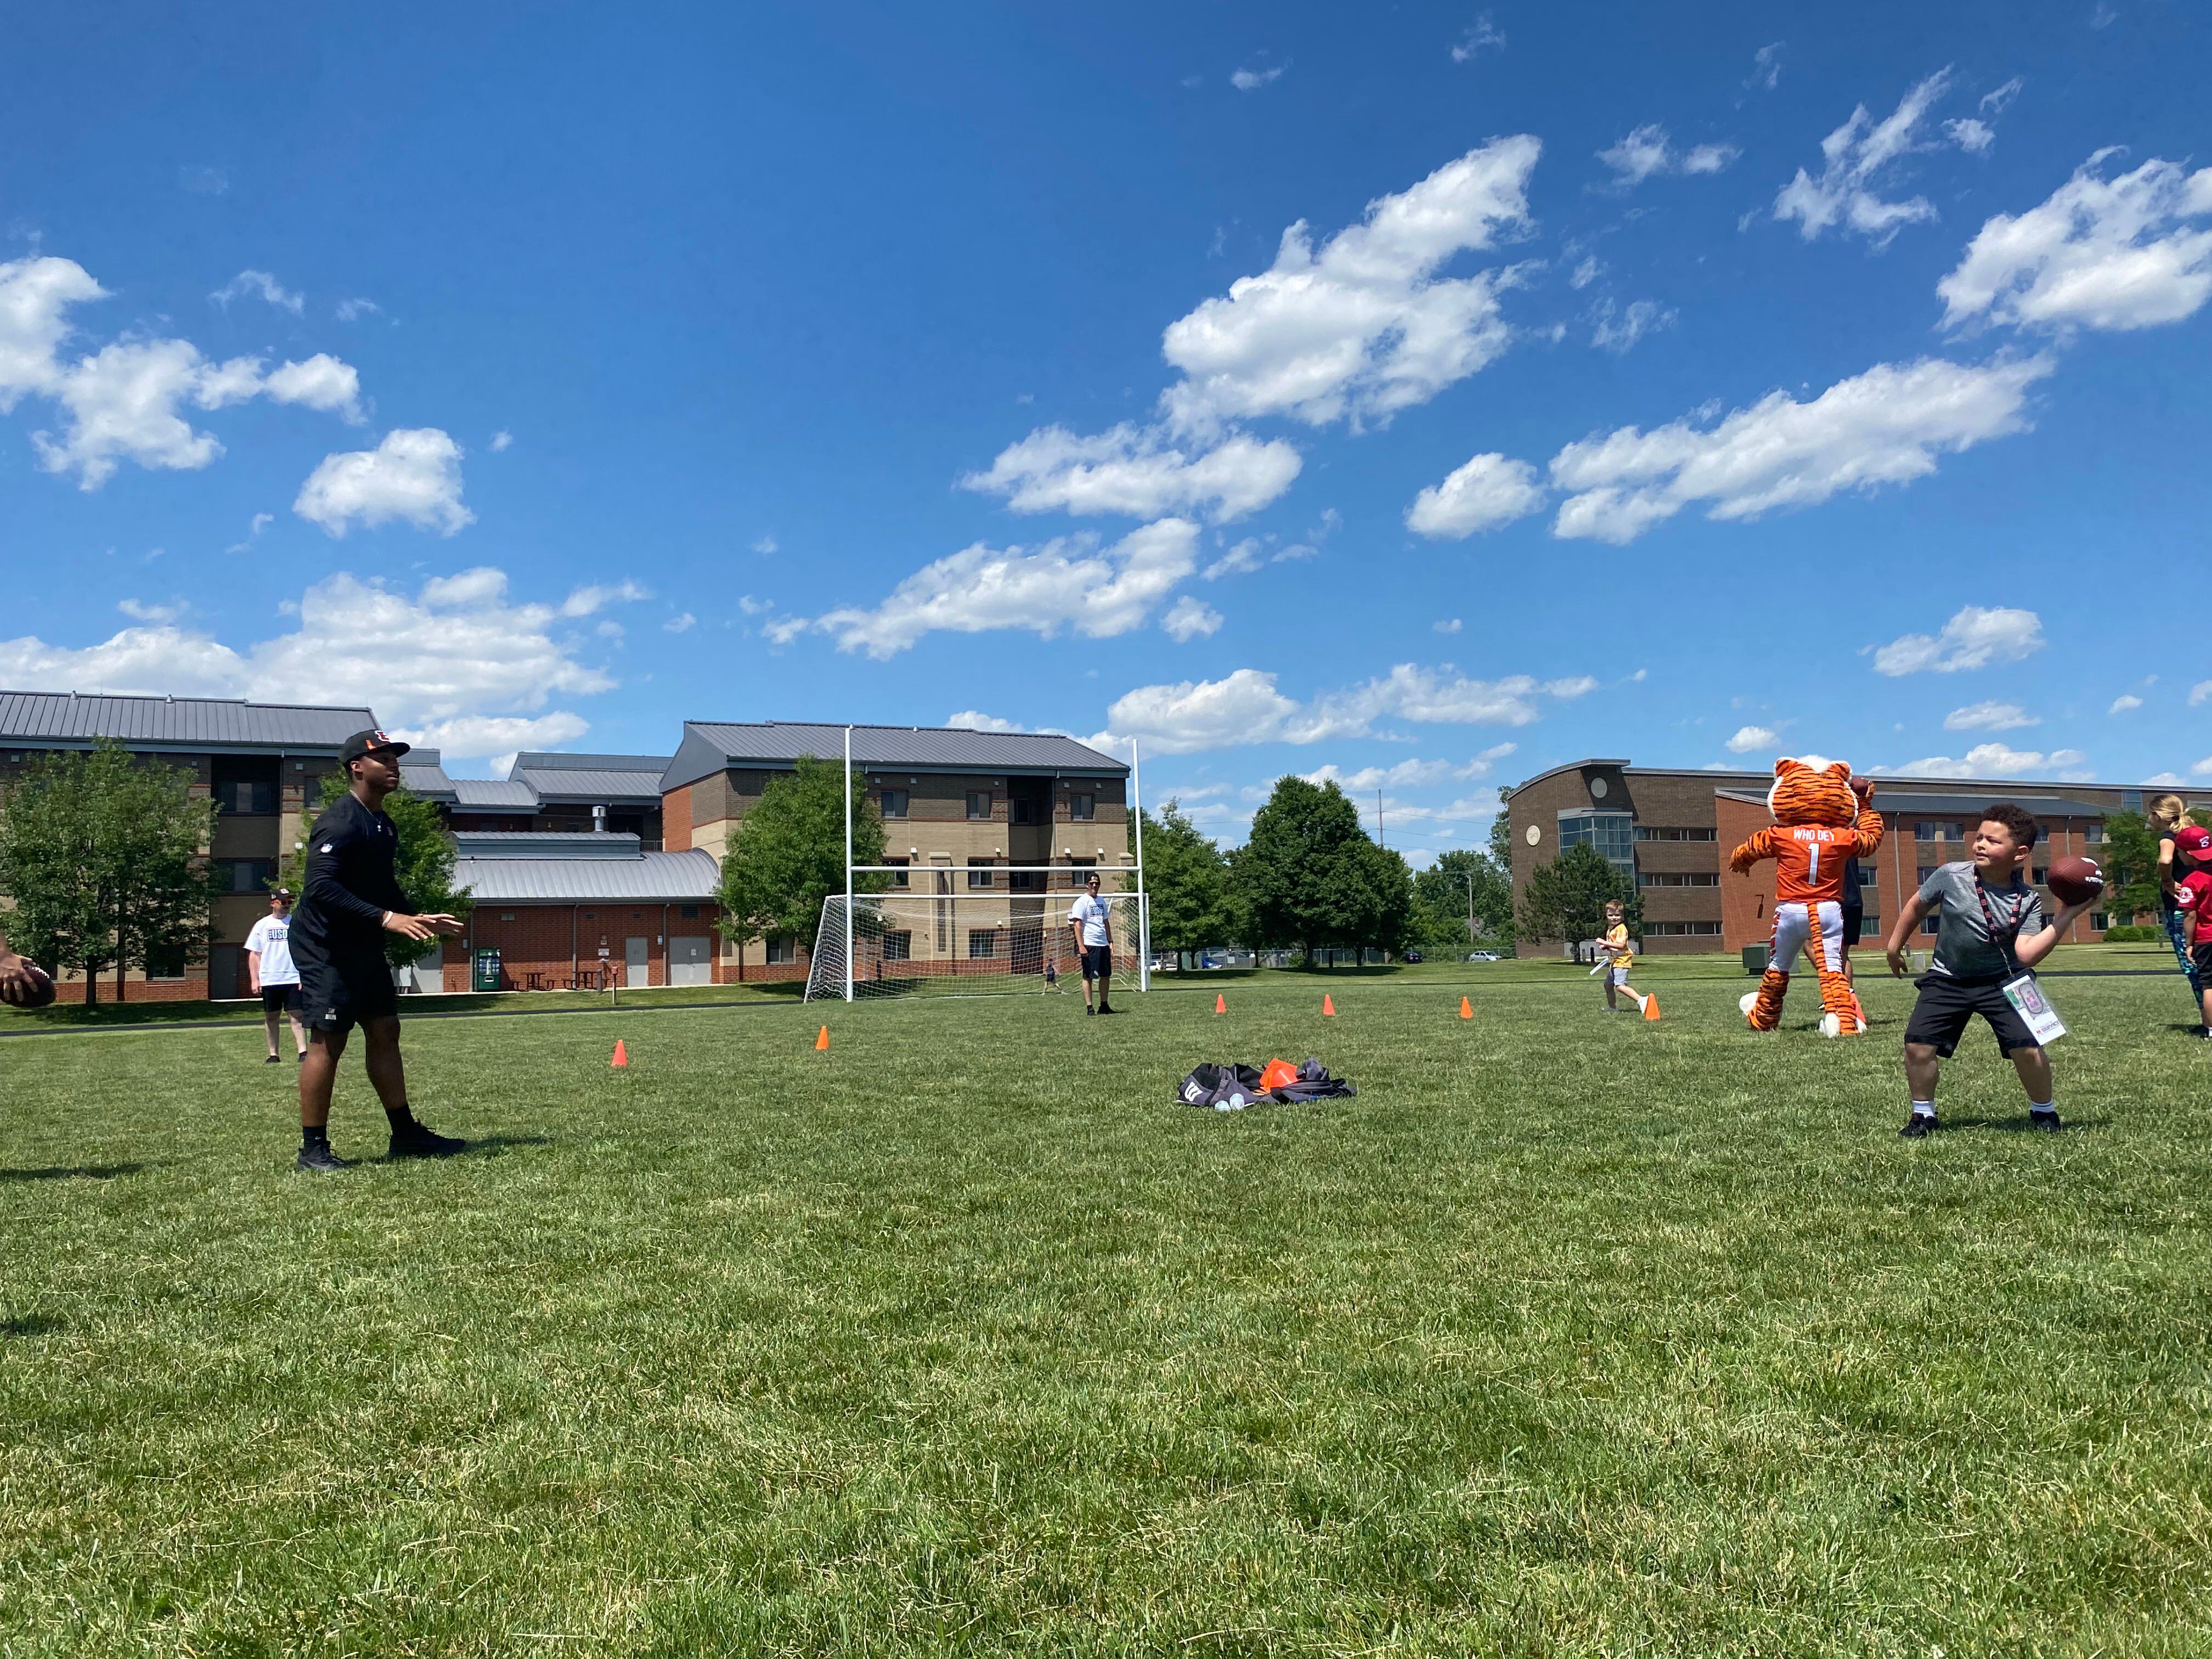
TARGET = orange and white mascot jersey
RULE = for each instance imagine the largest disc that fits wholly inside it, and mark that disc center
(1821, 819)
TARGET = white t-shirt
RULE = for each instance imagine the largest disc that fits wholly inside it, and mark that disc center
(1091, 913)
(272, 939)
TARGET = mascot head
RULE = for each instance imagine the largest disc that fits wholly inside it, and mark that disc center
(1813, 791)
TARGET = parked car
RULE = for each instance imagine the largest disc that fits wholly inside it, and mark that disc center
(1483, 956)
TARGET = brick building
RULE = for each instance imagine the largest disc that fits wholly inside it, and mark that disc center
(957, 805)
(1670, 832)
(549, 904)
(264, 764)
(549, 793)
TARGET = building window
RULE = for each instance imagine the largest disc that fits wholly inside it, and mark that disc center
(979, 803)
(1613, 833)
(241, 797)
(979, 872)
(1079, 871)
(1932, 923)
(1649, 833)
(2038, 874)
(898, 947)
(1025, 881)
(2097, 921)
(1867, 878)
(899, 875)
(689, 913)
(165, 964)
(894, 803)
(1925, 873)
(1927, 829)
(1684, 879)
(2094, 834)
(245, 875)
(783, 950)
(1681, 930)
(982, 942)
(1020, 809)
(1082, 808)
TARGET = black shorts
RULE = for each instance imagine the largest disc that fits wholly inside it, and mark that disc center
(281, 999)
(340, 993)
(2200, 957)
(1852, 921)
(1947, 1005)
(1097, 962)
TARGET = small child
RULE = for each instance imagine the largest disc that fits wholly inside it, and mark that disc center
(2192, 899)
(1991, 932)
(1051, 973)
(1618, 953)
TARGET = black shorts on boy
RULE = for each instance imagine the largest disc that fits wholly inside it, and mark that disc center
(1947, 1005)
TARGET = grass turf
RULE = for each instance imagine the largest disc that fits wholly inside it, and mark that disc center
(1572, 1335)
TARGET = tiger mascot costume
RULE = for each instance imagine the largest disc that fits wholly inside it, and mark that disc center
(1822, 819)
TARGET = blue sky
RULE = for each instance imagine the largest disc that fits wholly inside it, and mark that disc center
(1429, 396)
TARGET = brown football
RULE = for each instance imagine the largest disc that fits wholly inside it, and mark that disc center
(2075, 881)
(33, 990)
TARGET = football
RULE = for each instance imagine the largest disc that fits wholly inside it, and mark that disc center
(2075, 880)
(31, 990)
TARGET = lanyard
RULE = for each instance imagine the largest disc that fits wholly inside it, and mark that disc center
(2017, 917)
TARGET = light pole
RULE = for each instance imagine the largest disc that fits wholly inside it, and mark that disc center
(1468, 878)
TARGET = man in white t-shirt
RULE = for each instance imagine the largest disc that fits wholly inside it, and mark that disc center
(1090, 920)
(271, 976)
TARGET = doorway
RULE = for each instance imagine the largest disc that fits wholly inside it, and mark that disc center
(687, 962)
(637, 962)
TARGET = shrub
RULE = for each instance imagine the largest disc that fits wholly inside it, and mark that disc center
(2133, 935)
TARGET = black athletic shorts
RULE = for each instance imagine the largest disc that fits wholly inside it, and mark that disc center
(341, 993)
(1853, 920)
(281, 999)
(2200, 955)
(1947, 1005)
(1097, 962)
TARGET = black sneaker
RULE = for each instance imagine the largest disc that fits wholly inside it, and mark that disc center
(1104, 1009)
(2046, 1122)
(1918, 1127)
(1088, 1009)
(272, 1060)
(320, 1159)
(415, 1141)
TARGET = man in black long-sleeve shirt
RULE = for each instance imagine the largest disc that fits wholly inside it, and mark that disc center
(351, 901)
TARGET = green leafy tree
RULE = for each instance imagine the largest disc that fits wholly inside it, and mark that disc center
(1187, 881)
(422, 865)
(788, 854)
(1501, 832)
(1310, 878)
(1566, 899)
(1461, 884)
(106, 861)
(2130, 859)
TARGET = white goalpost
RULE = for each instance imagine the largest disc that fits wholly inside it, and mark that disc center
(934, 928)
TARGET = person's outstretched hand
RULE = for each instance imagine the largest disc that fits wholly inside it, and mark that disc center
(23, 983)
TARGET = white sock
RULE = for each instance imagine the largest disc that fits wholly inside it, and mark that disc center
(2041, 1106)
(1923, 1109)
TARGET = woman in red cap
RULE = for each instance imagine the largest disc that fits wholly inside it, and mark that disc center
(2169, 821)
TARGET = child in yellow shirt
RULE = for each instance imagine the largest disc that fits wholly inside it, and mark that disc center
(1618, 953)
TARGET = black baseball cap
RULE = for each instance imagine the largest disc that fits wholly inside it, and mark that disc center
(362, 743)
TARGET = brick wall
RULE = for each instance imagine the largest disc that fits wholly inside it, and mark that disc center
(559, 942)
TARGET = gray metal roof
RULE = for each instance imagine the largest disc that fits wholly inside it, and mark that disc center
(2042, 806)
(554, 760)
(493, 795)
(688, 877)
(544, 844)
(69, 719)
(423, 772)
(576, 784)
(709, 747)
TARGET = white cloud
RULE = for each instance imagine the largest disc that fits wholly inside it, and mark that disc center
(680, 624)
(501, 440)
(349, 310)
(414, 475)
(1766, 67)
(588, 601)
(2124, 704)
(1585, 273)
(1243, 558)
(1251, 77)
(1634, 321)
(139, 610)
(1138, 472)
(204, 180)
(1188, 619)
(458, 650)
(1976, 637)
(1647, 150)
(1245, 706)
(1971, 134)
(1859, 160)
(469, 737)
(971, 720)
(2200, 694)
(1410, 775)
(1482, 494)
(2202, 769)
(765, 544)
(1069, 582)
(1362, 326)
(2114, 254)
(1989, 717)
(1447, 625)
(1885, 425)
(1994, 760)
(1752, 739)
(124, 402)
(262, 283)
(1481, 36)
(2172, 779)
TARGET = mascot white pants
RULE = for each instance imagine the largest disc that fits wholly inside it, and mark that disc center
(1817, 931)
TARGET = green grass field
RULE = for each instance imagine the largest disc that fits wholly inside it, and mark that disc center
(1571, 1335)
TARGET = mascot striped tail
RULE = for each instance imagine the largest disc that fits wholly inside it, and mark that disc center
(1822, 819)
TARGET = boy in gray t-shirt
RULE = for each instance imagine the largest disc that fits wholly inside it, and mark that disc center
(1990, 929)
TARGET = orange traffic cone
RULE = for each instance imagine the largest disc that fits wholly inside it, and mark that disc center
(621, 1054)
(1220, 1003)
(1651, 1006)
(1465, 1009)
(1328, 1004)
(822, 1042)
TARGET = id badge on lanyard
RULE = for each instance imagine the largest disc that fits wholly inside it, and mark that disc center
(2021, 990)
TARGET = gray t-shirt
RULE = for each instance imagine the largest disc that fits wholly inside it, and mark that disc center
(1964, 947)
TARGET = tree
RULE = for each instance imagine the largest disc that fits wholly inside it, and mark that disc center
(1566, 899)
(1310, 878)
(106, 861)
(1501, 832)
(1187, 884)
(1460, 883)
(422, 865)
(788, 854)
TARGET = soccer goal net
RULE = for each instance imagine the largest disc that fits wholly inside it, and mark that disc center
(988, 942)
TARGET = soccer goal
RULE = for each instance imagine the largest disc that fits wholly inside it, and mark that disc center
(939, 942)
